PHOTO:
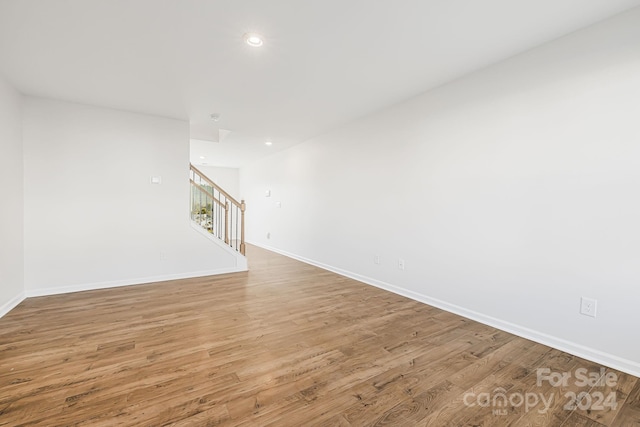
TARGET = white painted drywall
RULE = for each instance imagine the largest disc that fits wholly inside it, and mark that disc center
(227, 178)
(92, 217)
(11, 191)
(510, 193)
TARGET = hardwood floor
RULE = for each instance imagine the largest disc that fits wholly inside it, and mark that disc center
(286, 344)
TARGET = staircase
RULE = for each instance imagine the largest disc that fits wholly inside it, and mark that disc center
(216, 211)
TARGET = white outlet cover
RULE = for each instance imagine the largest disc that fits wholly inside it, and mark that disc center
(156, 180)
(588, 306)
(267, 193)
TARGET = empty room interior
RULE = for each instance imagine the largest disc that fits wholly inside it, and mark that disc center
(319, 213)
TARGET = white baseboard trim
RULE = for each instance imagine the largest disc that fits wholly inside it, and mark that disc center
(606, 359)
(129, 282)
(12, 303)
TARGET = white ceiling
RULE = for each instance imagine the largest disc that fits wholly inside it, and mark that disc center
(324, 62)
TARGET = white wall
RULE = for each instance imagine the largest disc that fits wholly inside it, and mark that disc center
(510, 193)
(92, 217)
(11, 196)
(227, 178)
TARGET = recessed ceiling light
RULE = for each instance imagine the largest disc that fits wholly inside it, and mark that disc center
(268, 143)
(202, 157)
(253, 39)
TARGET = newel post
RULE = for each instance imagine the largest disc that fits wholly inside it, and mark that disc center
(226, 222)
(243, 206)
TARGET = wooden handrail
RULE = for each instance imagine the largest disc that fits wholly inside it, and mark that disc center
(214, 185)
(201, 188)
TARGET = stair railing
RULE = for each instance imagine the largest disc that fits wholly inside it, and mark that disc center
(217, 211)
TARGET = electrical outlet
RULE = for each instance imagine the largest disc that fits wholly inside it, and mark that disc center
(376, 259)
(163, 256)
(588, 306)
(400, 264)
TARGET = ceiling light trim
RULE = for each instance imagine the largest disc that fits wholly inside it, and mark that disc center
(254, 39)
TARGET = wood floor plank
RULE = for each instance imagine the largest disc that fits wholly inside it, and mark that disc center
(285, 344)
